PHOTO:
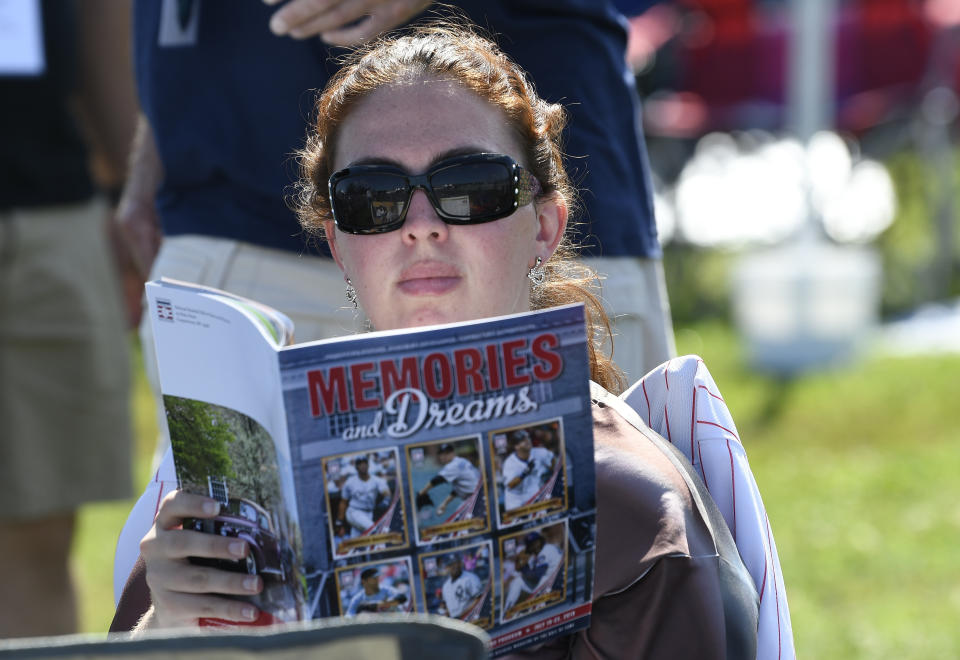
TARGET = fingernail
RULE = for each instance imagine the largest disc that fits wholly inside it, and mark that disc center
(278, 26)
(238, 548)
(211, 507)
(248, 613)
(250, 583)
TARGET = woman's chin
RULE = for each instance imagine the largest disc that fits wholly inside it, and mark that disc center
(428, 315)
(431, 318)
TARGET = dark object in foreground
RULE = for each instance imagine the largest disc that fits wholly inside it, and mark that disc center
(386, 637)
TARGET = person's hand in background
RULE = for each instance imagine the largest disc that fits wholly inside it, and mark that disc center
(136, 219)
(342, 22)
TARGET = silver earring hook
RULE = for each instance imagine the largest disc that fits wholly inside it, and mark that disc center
(537, 273)
(351, 294)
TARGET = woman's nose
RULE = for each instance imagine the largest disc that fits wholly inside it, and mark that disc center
(422, 221)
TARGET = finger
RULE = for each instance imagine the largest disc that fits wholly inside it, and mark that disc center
(304, 18)
(182, 543)
(326, 25)
(132, 289)
(130, 237)
(182, 576)
(384, 17)
(356, 33)
(139, 229)
(375, 22)
(185, 609)
(142, 254)
(180, 504)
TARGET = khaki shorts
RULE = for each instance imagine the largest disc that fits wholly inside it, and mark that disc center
(310, 290)
(64, 367)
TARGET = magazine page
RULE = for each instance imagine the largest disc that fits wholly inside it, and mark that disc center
(448, 470)
(217, 360)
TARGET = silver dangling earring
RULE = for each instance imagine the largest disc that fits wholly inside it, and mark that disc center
(538, 273)
(351, 294)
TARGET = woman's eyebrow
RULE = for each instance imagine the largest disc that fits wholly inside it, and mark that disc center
(458, 151)
(376, 160)
(443, 155)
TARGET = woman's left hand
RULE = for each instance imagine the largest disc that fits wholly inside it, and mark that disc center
(183, 592)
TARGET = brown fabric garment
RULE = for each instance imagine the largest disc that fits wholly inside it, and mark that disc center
(658, 589)
(134, 601)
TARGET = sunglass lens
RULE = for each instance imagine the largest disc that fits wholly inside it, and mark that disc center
(370, 201)
(474, 191)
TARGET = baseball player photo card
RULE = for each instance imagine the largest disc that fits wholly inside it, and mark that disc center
(458, 583)
(530, 467)
(375, 588)
(448, 489)
(533, 570)
(365, 506)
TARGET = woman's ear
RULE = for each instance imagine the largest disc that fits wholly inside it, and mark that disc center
(552, 217)
(330, 233)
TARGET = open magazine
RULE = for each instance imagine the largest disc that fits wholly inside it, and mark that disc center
(444, 470)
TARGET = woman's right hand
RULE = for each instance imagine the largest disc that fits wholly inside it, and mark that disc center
(183, 592)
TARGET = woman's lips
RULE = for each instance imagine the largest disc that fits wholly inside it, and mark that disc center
(429, 278)
(429, 285)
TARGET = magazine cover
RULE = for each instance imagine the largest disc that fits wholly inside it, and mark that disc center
(444, 470)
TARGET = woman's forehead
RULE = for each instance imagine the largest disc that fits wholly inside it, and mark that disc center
(412, 123)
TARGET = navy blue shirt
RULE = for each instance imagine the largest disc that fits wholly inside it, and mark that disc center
(229, 102)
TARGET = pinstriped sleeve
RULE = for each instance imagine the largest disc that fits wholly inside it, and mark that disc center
(680, 400)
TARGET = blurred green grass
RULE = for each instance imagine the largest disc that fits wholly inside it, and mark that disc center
(858, 469)
(98, 525)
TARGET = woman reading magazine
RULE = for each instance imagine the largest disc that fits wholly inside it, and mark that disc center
(434, 172)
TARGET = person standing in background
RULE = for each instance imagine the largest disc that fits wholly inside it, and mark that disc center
(604, 146)
(202, 206)
(64, 370)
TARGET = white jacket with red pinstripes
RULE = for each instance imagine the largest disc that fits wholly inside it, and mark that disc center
(680, 401)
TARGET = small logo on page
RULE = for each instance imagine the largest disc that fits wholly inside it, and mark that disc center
(164, 310)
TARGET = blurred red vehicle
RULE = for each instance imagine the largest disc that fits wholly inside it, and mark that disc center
(709, 65)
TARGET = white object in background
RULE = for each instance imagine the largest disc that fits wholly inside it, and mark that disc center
(21, 38)
(932, 328)
(805, 305)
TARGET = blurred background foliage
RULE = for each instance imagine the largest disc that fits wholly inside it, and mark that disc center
(698, 278)
(909, 245)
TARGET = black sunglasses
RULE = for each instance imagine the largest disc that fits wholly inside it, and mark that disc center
(465, 190)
